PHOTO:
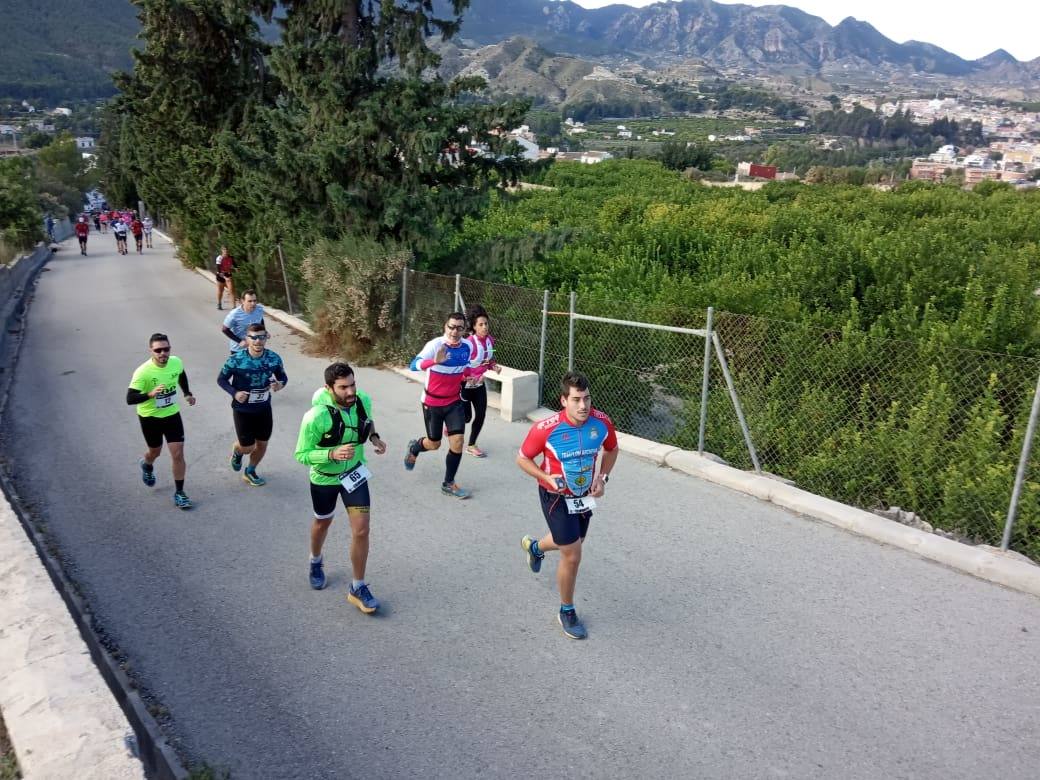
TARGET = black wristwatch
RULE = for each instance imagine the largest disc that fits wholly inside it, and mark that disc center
(605, 478)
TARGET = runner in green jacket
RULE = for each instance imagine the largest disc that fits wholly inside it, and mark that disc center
(331, 441)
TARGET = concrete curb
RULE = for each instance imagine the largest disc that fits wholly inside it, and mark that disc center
(60, 689)
(61, 716)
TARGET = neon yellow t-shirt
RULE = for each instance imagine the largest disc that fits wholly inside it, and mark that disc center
(148, 376)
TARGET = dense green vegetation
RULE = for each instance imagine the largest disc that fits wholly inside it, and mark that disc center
(62, 50)
(895, 337)
(53, 180)
(335, 132)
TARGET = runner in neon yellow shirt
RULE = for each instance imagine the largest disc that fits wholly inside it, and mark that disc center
(332, 438)
(153, 390)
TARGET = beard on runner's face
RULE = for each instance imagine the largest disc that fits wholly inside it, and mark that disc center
(345, 396)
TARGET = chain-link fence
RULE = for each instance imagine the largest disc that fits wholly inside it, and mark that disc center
(922, 432)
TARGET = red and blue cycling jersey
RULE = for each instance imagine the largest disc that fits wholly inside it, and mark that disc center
(569, 451)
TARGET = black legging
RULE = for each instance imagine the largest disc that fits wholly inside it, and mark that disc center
(476, 410)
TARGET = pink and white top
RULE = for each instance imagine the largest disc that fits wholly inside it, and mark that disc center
(481, 358)
(443, 383)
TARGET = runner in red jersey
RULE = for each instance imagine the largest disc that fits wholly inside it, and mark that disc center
(82, 231)
(569, 444)
(138, 230)
(445, 360)
(225, 268)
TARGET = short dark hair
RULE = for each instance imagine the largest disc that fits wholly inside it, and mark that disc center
(337, 371)
(157, 337)
(574, 379)
(475, 312)
(255, 327)
(456, 315)
(250, 291)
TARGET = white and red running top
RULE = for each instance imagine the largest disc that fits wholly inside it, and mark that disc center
(481, 358)
(443, 383)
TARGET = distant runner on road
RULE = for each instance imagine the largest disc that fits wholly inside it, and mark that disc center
(137, 228)
(568, 444)
(119, 229)
(331, 441)
(249, 376)
(146, 223)
(225, 268)
(82, 232)
(153, 389)
(445, 360)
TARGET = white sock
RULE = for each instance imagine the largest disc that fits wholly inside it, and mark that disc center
(316, 559)
(355, 584)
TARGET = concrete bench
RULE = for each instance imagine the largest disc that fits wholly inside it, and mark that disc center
(514, 393)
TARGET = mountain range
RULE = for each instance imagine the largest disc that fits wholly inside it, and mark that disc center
(742, 40)
(55, 48)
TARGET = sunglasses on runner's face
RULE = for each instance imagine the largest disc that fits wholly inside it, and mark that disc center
(160, 350)
(257, 337)
(456, 327)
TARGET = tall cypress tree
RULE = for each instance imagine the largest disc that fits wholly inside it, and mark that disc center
(366, 137)
(196, 84)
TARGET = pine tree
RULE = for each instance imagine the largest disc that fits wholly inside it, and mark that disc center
(367, 138)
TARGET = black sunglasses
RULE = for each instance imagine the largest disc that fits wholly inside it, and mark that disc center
(160, 350)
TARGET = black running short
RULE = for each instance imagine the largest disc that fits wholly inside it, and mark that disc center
(323, 499)
(251, 427)
(437, 418)
(564, 527)
(155, 429)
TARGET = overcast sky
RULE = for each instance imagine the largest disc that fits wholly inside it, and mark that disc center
(969, 30)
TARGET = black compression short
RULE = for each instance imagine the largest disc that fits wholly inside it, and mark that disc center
(437, 418)
(251, 427)
(155, 429)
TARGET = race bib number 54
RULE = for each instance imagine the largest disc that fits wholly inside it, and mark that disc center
(577, 506)
(355, 478)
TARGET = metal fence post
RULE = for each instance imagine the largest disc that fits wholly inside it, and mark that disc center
(457, 305)
(704, 382)
(736, 403)
(1020, 474)
(404, 302)
(288, 297)
(570, 333)
(541, 344)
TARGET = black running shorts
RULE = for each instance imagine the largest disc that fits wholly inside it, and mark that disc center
(323, 499)
(564, 527)
(155, 429)
(251, 427)
(437, 418)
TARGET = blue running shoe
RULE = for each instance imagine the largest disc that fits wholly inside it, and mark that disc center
(453, 489)
(250, 477)
(363, 599)
(147, 474)
(534, 561)
(409, 459)
(317, 575)
(570, 624)
(181, 500)
(236, 460)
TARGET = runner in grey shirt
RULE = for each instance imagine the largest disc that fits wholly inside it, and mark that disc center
(240, 318)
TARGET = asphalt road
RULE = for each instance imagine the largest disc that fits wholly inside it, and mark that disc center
(729, 638)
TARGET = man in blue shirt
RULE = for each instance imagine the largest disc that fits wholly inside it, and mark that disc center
(249, 376)
(238, 320)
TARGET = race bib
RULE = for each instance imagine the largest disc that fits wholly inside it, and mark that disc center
(577, 506)
(165, 399)
(259, 396)
(355, 478)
